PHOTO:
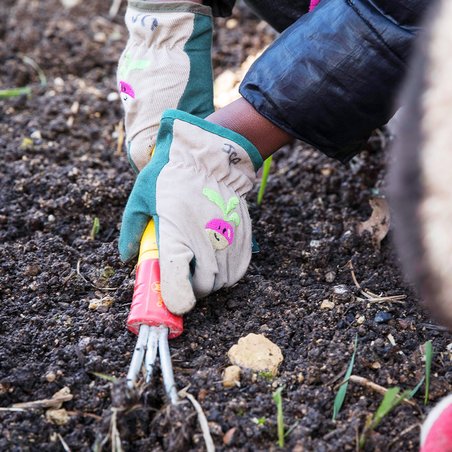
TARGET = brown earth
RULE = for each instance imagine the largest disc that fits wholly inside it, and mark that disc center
(53, 187)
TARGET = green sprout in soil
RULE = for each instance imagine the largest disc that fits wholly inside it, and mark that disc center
(340, 396)
(277, 397)
(105, 376)
(390, 400)
(95, 228)
(15, 92)
(260, 420)
(428, 350)
(265, 173)
(266, 375)
(25, 90)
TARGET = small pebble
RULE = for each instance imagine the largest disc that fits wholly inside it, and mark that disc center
(101, 305)
(36, 135)
(32, 270)
(382, 317)
(360, 320)
(228, 437)
(330, 277)
(50, 377)
(315, 243)
(326, 304)
(215, 429)
(57, 416)
(375, 365)
(342, 292)
(231, 376)
(256, 352)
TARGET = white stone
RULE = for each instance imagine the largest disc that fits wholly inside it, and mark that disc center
(327, 304)
(256, 352)
(231, 376)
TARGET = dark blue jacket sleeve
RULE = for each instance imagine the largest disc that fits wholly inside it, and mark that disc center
(332, 76)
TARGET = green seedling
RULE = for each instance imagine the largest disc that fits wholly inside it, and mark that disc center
(428, 350)
(25, 90)
(15, 92)
(340, 396)
(95, 228)
(277, 397)
(104, 376)
(266, 375)
(265, 173)
(259, 420)
(390, 400)
(107, 272)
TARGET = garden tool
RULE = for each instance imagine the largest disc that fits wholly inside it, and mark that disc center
(150, 319)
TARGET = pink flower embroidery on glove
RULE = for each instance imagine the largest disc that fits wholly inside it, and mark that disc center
(220, 230)
(126, 90)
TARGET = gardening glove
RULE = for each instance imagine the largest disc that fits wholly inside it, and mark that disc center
(194, 188)
(166, 64)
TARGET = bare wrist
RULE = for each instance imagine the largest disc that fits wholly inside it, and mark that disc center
(242, 118)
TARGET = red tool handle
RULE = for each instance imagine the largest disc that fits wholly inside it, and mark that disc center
(147, 304)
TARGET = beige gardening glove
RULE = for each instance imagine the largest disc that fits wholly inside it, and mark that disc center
(166, 64)
(194, 188)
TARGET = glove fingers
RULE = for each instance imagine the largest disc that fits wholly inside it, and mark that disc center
(177, 291)
(133, 225)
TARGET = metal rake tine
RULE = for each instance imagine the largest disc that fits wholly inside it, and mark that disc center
(167, 368)
(151, 353)
(138, 355)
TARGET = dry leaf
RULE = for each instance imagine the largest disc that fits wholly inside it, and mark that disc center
(379, 221)
(63, 395)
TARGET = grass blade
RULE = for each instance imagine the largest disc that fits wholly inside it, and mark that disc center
(265, 173)
(340, 396)
(95, 228)
(387, 404)
(35, 66)
(104, 376)
(277, 397)
(416, 388)
(428, 347)
(15, 92)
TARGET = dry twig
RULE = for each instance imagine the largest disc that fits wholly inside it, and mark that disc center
(114, 8)
(370, 296)
(374, 387)
(63, 443)
(201, 418)
(404, 432)
(63, 395)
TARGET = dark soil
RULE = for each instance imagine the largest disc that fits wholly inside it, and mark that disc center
(54, 186)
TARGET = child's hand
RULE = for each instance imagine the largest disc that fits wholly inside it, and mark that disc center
(166, 64)
(195, 188)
